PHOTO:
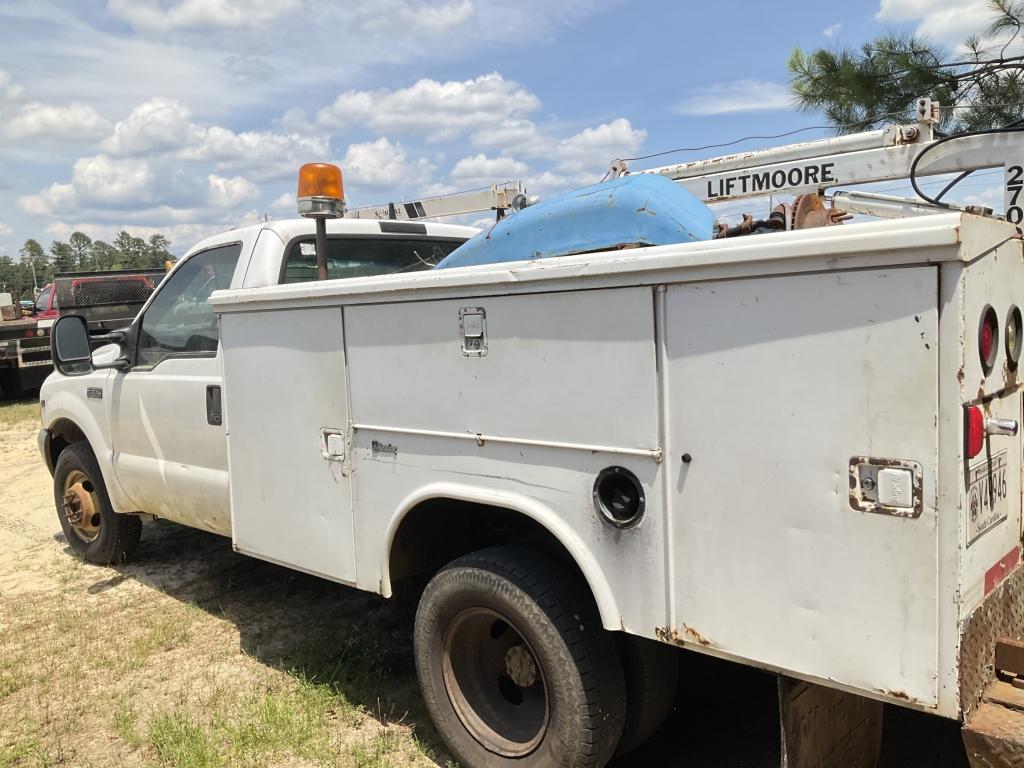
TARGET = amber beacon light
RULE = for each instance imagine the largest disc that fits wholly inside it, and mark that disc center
(321, 196)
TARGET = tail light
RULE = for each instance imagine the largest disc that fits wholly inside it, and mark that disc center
(1014, 337)
(974, 430)
(988, 339)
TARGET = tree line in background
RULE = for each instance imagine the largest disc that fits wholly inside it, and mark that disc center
(36, 266)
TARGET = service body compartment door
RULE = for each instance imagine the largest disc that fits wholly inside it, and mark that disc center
(774, 384)
(284, 385)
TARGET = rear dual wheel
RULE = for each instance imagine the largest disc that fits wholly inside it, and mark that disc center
(514, 665)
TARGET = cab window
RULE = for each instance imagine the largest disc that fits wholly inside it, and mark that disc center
(180, 320)
(363, 256)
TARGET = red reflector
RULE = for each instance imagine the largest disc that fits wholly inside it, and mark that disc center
(988, 339)
(975, 431)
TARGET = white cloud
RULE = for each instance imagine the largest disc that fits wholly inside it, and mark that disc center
(284, 202)
(436, 110)
(103, 180)
(488, 170)
(945, 21)
(36, 121)
(162, 125)
(736, 96)
(5, 229)
(832, 29)
(230, 193)
(148, 14)
(55, 199)
(156, 125)
(388, 20)
(262, 155)
(76, 122)
(520, 136)
(432, 19)
(592, 149)
(61, 230)
(989, 197)
(10, 92)
(381, 163)
(586, 152)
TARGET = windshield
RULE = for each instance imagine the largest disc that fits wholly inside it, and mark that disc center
(43, 299)
(362, 256)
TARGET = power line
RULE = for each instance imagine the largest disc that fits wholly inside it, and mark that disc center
(749, 138)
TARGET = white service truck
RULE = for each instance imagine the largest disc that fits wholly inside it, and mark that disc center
(797, 451)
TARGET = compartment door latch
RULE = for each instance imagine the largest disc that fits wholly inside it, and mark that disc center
(886, 486)
(473, 330)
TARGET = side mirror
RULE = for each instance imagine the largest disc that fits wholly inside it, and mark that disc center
(69, 345)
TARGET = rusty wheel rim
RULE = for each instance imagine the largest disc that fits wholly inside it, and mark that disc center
(80, 506)
(494, 682)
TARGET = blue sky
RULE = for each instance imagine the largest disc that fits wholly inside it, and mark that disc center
(191, 116)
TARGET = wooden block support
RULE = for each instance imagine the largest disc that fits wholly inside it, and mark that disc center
(826, 728)
(1010, 656)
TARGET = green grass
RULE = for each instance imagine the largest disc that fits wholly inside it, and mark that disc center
(126, 722)
(182, 742)
(18, 411)
(259, 729)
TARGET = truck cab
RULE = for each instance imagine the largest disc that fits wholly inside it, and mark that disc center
(46, 306)
(153, 417)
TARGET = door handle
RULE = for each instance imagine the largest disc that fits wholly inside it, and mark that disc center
(214, 412)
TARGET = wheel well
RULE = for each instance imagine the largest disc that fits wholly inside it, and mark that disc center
(63, 433)
(437, 531)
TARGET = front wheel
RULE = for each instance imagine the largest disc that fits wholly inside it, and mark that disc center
(514, 665)
(91, 526)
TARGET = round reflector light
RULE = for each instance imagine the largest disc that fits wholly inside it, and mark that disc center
(988, 339)
(1014, 336)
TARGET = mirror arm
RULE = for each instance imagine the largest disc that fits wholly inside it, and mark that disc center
(114, 337)
(120, 364)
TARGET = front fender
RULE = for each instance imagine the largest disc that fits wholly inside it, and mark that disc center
(530, 507)
(64, 398)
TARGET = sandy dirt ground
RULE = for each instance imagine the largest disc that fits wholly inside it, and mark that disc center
(193, 655)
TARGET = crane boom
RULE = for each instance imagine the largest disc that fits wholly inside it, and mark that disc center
(509, 195)
(873, 156)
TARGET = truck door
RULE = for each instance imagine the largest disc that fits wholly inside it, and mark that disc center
(168, 437)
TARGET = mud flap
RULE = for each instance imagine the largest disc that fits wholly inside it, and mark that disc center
(994, 733)
(825, 728)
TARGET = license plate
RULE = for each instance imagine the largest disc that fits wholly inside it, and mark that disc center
(987, 504)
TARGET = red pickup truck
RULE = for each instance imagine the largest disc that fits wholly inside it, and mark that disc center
(108, 300)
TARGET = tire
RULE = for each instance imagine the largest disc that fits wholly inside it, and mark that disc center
(91, 526)
(652, 676)
(513, 642)
(10, 385)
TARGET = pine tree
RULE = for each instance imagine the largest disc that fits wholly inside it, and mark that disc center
(63, 257)
(879, 83)
(80, 245)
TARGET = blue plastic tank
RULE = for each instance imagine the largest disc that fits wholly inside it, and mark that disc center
(645, 209)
